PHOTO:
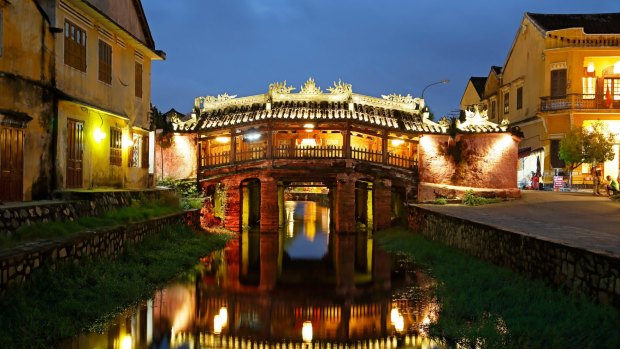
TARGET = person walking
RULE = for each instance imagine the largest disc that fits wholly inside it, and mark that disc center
(596, 181)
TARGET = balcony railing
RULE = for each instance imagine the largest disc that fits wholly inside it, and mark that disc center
(320, 152)
(577, 101)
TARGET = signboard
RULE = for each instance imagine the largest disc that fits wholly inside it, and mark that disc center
(558, 183)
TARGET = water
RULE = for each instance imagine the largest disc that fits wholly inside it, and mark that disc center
(304, 287)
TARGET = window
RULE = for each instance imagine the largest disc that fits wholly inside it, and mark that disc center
(105, 62)
(0, 32)
(519, 98)
(138, 80)
(556, 162)
(139, 154)
(506, 103)
(611, 88)
(493, 108)
(116, 143)
(558, 83)
(75, 46)
(589, 88)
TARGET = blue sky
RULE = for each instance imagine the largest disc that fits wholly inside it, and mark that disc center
(381, 47)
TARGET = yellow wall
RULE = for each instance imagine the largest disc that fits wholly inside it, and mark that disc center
(470, 97)
(25, 81)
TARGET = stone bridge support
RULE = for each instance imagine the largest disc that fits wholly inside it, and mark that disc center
(382, 204)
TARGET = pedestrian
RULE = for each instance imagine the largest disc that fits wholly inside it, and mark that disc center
(596, 181)
(535, 181)
(612, 186)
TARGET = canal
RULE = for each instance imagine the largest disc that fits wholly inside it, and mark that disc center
(304, 287)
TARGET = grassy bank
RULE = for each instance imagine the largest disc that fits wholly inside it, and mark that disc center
(478, 298)
(59, 304)
(51, 230)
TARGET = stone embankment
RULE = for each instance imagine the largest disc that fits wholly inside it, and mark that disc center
(17, 264)
(596, 275)
(70, 206)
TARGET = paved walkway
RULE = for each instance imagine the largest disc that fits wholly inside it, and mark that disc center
(575, 219)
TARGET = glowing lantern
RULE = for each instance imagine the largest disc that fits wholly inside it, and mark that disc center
(306, 332)
(126, 342)
(308, 142)
(223, 315)
(590, 68)
(222, 139)
(394, 315)
(98, 135)
(397, 142)
(217, 324)
(399, 325)
(252, 136)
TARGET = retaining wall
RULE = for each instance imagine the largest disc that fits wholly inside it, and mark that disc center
(17, 265)
(595, 275)
(72, 205)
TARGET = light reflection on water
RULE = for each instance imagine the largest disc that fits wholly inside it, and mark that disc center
(348, 298)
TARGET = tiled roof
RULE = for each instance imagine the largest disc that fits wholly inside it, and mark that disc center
(478, 82)
(314, 111)
(595, 23)
(496, 69)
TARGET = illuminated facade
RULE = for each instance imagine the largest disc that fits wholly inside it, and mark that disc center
(76, 114)
(368, 152)
(562, 71)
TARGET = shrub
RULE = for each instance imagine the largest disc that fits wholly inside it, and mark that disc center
(440, 201)
(471, 199)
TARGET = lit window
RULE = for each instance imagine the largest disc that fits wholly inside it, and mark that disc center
(589, 88)
(611, 87)
(116, 141)
(75, 46)
(506, 103)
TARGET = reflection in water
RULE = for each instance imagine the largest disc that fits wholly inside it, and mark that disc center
(307, 228)
(332, 303)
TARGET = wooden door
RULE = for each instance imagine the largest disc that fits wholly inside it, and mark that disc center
(11, 163)
(75, 153)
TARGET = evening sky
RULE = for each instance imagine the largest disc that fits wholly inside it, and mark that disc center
(380, 47)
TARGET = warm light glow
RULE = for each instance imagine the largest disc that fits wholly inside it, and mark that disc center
(399, 325)
(306, 332)
(308, 142)
(224, 315)
(308, 125)
(217, 324)
(222, 139)
(394, 315)
(126, 342)
(617, 68)
(397, 142)
(590, 68)
(127, 142)
(252, 136)
(99, 135)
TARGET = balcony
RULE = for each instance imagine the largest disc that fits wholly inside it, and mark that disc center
(213, 160)
(577, 101)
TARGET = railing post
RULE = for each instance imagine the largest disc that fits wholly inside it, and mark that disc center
(233, 146)
(269, 154)
(346, 141)
(384, 147)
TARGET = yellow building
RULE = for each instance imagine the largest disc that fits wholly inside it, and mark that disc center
(562, 71)
(474, 92)
(94, 65)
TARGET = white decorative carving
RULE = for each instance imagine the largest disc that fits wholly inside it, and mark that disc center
(219, 98)
(183, 125)
(280, 88)
(340, 88)
(478, 118)
(310, 88)
(445, 122)
(399, 98)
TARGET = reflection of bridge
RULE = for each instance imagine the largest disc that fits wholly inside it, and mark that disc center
(372, 153)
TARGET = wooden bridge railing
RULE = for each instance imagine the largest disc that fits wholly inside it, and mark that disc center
(306, 152)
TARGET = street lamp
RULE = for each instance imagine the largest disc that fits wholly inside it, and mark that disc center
(445, 81)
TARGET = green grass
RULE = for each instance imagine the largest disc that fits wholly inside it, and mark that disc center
(59, 304)
(119, 216)
(476, 297)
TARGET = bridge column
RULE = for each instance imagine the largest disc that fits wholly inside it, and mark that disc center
(269, 213)
(345, 204)
(233, 210)
(382, 204)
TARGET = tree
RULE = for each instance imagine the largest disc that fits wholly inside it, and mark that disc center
(593, 145)
(598, 144)
(571, 151)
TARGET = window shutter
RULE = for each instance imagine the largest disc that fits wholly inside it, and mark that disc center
(130, 151)
(558, 83)
(145, 151)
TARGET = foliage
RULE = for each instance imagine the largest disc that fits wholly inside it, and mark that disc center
(471, 199)
(598, 144)
(440, 201)
(187, 190)
(571, 148)
(483, 303)
(140, 210)
(58, 304)
(221, 196)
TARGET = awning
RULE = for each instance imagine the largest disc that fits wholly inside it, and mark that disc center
(13, 118)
